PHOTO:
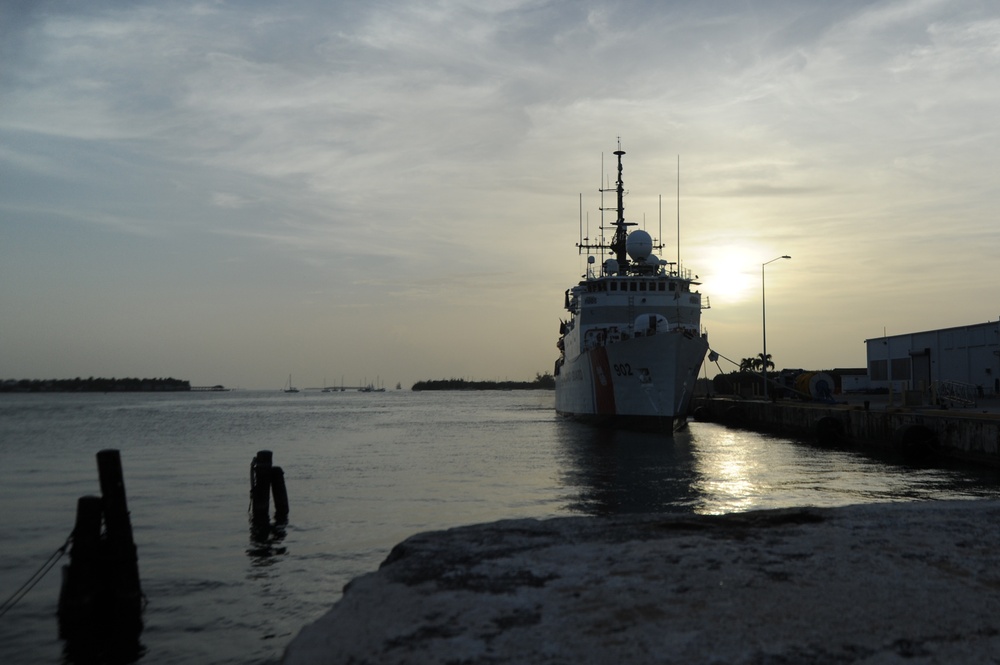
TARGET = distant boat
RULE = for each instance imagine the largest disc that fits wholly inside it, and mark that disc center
(290, 388)
(376, 387)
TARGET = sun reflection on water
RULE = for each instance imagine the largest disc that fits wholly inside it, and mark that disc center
(730, 474)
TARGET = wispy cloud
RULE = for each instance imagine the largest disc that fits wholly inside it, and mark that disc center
(409, 161)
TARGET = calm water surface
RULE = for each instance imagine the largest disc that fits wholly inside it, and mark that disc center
(364, 471)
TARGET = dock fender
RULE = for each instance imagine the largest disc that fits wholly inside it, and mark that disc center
(914, 438)
(702, 414)
(735, 415)
(829, 430)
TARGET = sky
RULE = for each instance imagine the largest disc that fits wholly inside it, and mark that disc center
(236, 192)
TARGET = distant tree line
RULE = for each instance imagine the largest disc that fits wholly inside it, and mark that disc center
(92, 385)
(542, 382)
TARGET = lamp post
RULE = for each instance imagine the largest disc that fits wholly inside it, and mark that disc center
(763, 319)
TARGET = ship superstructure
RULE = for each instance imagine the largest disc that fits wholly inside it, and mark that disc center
(632, 348)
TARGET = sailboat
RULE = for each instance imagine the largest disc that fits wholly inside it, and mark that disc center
(290, 388)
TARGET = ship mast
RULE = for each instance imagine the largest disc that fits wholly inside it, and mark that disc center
(619, 240)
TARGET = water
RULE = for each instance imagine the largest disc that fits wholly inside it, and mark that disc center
(364, 471)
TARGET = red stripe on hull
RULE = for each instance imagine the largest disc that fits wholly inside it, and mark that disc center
(604, 389)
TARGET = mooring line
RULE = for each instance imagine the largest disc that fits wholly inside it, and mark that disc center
(34, 579)
(724, 358)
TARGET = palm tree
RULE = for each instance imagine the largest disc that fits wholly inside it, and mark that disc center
(747, 364)
(762, 362)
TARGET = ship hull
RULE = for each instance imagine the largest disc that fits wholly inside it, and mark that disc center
(641, 383)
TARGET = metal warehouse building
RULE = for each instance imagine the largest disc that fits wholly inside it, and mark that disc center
(949, 360)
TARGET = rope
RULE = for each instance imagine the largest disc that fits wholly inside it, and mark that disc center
(770, 380)
(34, 579)
(724, 358)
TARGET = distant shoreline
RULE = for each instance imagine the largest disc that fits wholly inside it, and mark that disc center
(541, 382)
(93, 385)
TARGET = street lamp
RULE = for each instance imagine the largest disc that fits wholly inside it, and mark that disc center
(763, 318)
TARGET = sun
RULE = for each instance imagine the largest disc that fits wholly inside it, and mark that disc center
(730, 276)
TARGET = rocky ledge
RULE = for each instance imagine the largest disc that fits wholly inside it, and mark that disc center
(889, 583)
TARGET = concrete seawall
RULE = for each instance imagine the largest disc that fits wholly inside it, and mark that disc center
(890, 583)
(967, 434)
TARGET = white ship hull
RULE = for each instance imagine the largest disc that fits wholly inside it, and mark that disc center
(644, 382)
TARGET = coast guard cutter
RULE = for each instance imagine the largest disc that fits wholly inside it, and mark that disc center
(633, 346)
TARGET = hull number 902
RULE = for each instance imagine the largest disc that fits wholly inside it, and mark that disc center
(623, 369)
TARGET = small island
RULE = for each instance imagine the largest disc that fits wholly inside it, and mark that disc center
(93, 385)
(542, 382)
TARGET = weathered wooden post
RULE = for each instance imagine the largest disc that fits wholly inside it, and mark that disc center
(260, 486)
(280, 494)
(122, 558)
(78, 597)
(101, 601)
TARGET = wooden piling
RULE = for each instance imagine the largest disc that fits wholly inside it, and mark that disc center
(121, 555)
(260, 486)
(101, 601)
(80, 592)
(280, 494)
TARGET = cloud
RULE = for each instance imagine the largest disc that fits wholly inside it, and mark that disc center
(413, 161)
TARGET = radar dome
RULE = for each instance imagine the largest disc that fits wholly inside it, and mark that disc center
(611, 267)
(639, 245)
(653, 260)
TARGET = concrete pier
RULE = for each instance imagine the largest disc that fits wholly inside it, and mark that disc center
(971, 434)
(911, 583)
